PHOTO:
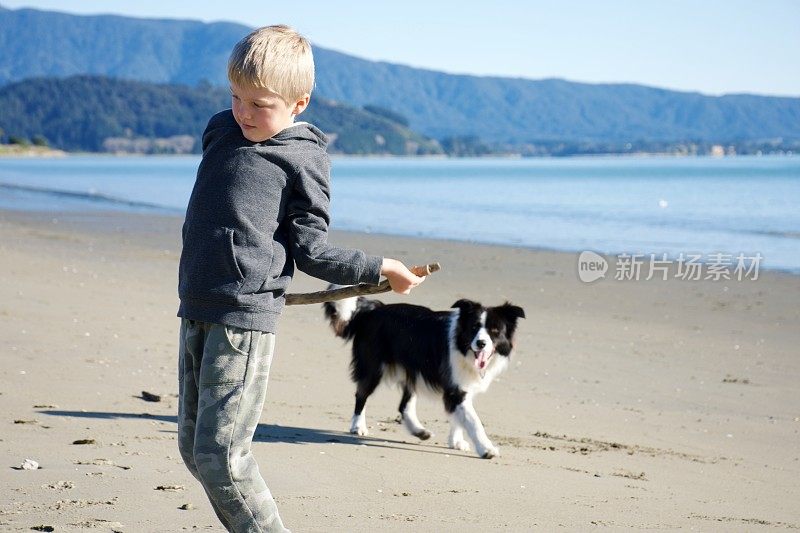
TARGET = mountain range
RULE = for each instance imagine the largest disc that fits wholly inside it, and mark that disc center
(503, 111)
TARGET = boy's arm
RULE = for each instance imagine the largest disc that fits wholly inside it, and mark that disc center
(308, 217)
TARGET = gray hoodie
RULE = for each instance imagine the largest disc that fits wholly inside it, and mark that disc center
(256, 210)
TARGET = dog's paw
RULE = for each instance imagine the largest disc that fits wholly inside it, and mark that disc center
(490, 452)
(359, 427)
(361, 432)
(423, 435)
(460, 445)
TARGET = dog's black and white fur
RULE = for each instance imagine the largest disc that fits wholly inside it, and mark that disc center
(457, 353)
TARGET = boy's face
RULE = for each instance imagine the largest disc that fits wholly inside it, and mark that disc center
(261, 113)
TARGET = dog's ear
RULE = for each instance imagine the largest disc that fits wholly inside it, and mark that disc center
(511, 312)
(465, 305)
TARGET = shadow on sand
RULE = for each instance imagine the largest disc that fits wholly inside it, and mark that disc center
(274, 433)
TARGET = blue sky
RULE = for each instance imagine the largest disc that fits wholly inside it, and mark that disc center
(714, 47)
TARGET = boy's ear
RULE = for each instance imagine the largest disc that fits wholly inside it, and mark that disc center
(301, 104)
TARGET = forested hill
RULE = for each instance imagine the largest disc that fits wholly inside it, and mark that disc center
(95, 113)
(439, 105)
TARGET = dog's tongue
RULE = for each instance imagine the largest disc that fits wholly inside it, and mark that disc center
(481, 358)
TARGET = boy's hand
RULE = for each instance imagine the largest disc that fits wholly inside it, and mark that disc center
(401, 279)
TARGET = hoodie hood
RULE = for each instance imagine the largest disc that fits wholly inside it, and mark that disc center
(299, 131)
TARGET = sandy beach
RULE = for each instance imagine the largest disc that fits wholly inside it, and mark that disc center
(627, 405)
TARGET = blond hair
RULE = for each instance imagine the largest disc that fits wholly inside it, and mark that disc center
(276, 58)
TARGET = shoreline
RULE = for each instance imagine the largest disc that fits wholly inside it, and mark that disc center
(38, 152)
(670, 218)
(650, 404)
(150, 211)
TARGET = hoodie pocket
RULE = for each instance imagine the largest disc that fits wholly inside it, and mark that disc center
(278, 263)
(208, 266)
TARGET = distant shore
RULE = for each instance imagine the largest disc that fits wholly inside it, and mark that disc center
(18, 150)
(11, 151)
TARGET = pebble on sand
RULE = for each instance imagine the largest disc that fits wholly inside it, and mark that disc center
(150, 397)
(171, 487)
(29, 464)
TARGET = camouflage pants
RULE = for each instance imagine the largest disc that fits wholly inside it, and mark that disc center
(222, 381)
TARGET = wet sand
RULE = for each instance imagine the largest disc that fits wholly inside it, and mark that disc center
(648, 405)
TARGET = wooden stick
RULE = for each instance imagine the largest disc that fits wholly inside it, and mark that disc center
(353, 290)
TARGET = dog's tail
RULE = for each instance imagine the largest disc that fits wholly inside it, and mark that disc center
(342, 312)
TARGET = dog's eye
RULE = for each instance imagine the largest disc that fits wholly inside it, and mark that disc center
(494, 330)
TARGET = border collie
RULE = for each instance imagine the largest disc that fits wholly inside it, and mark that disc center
(456, 353)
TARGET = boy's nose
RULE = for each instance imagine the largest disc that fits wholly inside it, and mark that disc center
(241, 110)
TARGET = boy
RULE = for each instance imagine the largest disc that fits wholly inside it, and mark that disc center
(259, 206)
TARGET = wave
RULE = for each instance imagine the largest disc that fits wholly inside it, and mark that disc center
(90, 196)
(777, 233)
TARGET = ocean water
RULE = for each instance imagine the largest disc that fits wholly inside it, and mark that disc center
(606, 204)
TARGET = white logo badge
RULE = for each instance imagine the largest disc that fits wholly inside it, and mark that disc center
(591, 266)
